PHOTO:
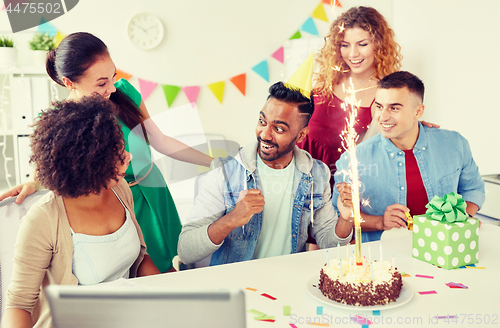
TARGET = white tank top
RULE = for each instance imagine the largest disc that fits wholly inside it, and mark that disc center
(99, 259)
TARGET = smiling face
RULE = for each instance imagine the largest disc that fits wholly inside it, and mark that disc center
(280, 127)
(98, 78)
(397, 112)
(357, 50)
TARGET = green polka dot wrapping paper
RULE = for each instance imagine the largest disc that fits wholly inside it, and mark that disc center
(447, 245)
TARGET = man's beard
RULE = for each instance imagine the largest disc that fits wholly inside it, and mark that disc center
(278, 153)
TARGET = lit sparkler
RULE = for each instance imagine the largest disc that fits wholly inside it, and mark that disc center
(349, 139)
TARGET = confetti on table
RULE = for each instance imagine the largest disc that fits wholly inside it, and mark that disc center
(428, 292)
(475, 267)
(269, 296)
(362, 320)
(319, 310)
(365, 326)
(252, 289)
(470, 265)
(406, 275)
(446, 317)
(319, 324)
(376, 312)
(265, 318)
(293, 326)
(456, 285)
(424, 276)
(256, 313)
(287, 310)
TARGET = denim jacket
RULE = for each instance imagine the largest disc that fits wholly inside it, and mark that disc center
(443, 157)
(219, 194)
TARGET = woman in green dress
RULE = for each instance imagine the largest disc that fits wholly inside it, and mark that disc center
(82, 64)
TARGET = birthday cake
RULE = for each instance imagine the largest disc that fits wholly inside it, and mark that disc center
(360, 285)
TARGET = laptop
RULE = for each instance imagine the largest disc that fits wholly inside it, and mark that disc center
(82, 307)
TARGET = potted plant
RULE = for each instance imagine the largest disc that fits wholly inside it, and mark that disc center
(40, 44)
(8, 54)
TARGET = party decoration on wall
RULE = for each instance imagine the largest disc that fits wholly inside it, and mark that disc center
(218, 89)
(171, 92)
(297, 35)
(192, 93)
(320, 13)
(262, 69)
(279, 55)
(240, 81)
(310, 27)
(46, 28)
(302, 78)
(122, 75)
(146, 88)
(59, 38)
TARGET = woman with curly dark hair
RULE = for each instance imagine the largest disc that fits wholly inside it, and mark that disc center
(359, 48)
(84, 230)
(82, 64)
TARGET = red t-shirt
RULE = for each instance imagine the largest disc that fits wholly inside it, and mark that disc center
(416, 196)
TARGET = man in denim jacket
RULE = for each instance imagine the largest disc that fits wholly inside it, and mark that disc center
(408, 164)
(258, 204)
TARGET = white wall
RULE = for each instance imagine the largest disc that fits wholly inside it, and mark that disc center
(450, 44)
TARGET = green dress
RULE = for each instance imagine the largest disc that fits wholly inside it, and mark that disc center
(153, 205)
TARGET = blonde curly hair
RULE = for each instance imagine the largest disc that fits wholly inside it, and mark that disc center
(334, 69)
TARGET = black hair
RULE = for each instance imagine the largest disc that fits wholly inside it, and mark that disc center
(74, 55)
(403, 79)
(290, 94)
(77, 145)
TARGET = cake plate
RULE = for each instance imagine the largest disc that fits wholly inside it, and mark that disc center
(404, 297)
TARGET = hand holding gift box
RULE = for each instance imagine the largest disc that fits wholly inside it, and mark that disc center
(444, 235)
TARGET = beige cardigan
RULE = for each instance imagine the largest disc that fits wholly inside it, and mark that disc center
(43, 254)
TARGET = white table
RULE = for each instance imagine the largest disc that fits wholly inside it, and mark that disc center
(286, 278)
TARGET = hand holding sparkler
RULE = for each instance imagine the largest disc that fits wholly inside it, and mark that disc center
(344, 201)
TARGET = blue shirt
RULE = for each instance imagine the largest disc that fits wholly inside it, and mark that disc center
(444, 159)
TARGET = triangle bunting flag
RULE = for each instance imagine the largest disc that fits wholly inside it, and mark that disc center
(297, 35)
(47, 28)
(279, 55)
(3, 7)
(240, 82)
(192, 94)
(171, 92)
(122, 75)
(146, 88)
(218, 89)
(309, 27)
(320, 13)
(262, 69)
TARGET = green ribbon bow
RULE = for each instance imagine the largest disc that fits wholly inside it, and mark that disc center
(450, 208)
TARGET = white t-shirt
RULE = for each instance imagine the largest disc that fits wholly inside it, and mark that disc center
(277, 188)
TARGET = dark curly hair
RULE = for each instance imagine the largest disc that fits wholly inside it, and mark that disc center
(77, 146)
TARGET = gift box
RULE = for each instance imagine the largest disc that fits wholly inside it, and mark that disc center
(445, 236)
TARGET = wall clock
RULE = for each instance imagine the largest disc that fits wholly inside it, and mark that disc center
(145, 31)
